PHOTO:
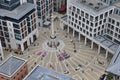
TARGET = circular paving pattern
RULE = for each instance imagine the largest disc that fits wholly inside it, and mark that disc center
(79, 61)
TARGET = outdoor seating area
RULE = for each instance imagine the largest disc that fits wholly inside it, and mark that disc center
(63, 56)
(43, 54)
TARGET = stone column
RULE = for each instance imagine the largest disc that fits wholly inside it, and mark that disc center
(73, 33)
(91, 44)
(79, 38)
(68, 29)
(98, 49)
(106, 54)
(85, 40)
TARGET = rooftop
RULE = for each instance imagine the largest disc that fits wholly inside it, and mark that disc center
(19, 12)
(93, 4)
(115, 16)
(11, 65)
(114, 66)
(41, 73)
(107, 43)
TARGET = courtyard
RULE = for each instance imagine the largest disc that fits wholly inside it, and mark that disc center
(74, 58)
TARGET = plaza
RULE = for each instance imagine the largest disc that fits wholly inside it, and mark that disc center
(83, 62)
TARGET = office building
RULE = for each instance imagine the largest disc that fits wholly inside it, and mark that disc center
(58, 4)
(18, 24)
(13, 68)
(95, 21)
(41, 73)
(1, 52)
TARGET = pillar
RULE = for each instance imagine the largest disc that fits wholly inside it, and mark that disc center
(68, 29)
(91, 44)
(73, 33)
(106, 54)
(79, 38)
(98, 49)
(22, 47)
(85, 40)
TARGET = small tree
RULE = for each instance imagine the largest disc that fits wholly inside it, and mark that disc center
(109, 76)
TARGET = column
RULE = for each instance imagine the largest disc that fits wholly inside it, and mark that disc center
(106, 54)
(85, 40)
(22, 47)
(79, 38)
(91, 44)
(73, 32)
(68, 29)
(98, 49)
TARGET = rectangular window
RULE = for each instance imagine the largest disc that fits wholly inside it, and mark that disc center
(4, 23)
(16, 26)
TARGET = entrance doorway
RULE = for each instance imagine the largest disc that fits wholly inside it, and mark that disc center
(25, 45)
(34, 37)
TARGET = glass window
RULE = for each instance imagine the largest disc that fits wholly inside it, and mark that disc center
(16, 26)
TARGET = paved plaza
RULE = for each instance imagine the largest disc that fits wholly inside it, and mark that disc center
(83, 63)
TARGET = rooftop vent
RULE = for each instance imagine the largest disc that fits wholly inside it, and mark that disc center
(83, 1)
(96, 7)
(91, 4)
(100, 4)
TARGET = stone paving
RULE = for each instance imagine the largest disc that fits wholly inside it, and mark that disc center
(81, 65)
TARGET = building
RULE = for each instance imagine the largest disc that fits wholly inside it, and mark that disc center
(13, 68)
(109, 1)
(93, 20)
(44, 9)
(1, 52)
(114, 66)
(41, 73)
(58, 4)
(18, 24)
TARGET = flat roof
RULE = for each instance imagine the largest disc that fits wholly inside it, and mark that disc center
(117, 4)
(93, 4)
(115, 16)
(41, 73)
(11, 65)
(18, 12)
(107, 43)
(114, 66)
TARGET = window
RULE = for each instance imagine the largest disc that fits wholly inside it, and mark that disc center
(86, 16)
(79, 23)
(17, 31)
(106, 14)
(5, 28)
(78, 11)
(83, 19)
(82, 13)
(110, 11)
(96, 24)
(74, 8)
(101, 16)
(96, 18)
(100, 22)
(16, 26)
(109, 20)
(87, 22)
(118, 23)
(4, 23)
(76, 15)
(72, 13)
(91, 18)
(104, 20)
(79, 17)
(113, 21)
(83, 25)
(91, 24)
